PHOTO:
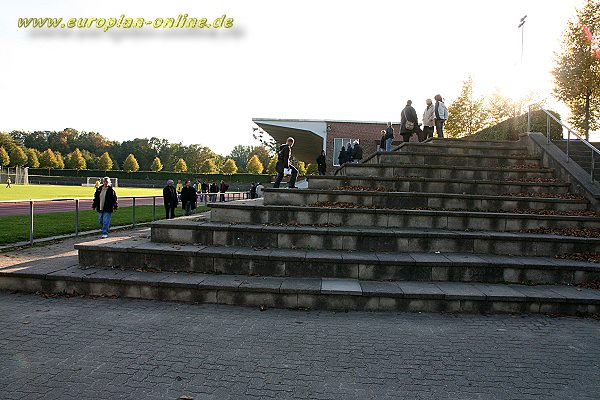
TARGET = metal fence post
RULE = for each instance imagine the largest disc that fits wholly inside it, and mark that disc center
(76, 218)
(153, 208)
(30, 222)
(568, 142)
(592, 167)
(548, 127)
(133, 210)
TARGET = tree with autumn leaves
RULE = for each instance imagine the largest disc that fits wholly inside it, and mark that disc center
(577, 69)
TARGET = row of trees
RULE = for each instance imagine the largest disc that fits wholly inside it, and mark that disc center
(468, 114)
(20, 148)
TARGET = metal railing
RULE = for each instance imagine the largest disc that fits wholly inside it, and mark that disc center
(570, 131)
(204, 198)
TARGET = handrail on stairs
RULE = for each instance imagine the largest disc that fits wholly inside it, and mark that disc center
(569, 130)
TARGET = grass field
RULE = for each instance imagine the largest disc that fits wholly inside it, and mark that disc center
(60, 223)
(27, 192)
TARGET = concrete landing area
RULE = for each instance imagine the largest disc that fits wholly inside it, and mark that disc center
(54, 269)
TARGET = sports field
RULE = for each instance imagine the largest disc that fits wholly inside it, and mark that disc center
(27, 192)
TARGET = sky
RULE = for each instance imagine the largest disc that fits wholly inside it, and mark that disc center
(309, 59)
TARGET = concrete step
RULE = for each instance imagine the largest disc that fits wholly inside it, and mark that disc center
(436, 185)
(477, 143)
(455, 220)
(462, 149)
(475, 160)
(443, 172)
(369, 239)
(379, 266)
(413, 200)
(306, 293)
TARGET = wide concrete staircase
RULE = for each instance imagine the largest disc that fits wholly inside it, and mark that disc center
(445, 225)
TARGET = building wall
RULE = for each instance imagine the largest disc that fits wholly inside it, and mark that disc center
(367, 133)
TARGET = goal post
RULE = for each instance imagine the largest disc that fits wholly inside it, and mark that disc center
(91, 181)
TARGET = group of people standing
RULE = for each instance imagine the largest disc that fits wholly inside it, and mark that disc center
(350, 154)
(188, 195)
(434, 117)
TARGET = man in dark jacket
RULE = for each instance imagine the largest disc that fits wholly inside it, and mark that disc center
(321, 163)
(350, 153)
(409, 114)
(343, 156)
(358, 152)
(283, 161)
(389, 137)
(188, 198)
(170, 199)
(223, 188)
(105, 202)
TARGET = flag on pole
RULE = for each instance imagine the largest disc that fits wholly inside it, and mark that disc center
(593, 40)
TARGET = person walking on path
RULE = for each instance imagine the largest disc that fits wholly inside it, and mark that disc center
(322, 163)
(428, 121)
(357, 152)
(284, 162)
(105, 203)
(204, 192)
(189, 197)
(441, 115)
(343, 156)
(170, 199)
(223, 188)
(389, 136)
(409, 123)
(8, 182)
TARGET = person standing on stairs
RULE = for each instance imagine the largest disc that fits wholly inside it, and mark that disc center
(409, 123)
(389, 136)
(170, 199)
(343, 156)
(358, 152)
(441, 115)
(428, 120)
(284, 162)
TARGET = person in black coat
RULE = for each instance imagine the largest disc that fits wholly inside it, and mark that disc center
(342, 157)
(409, 114)
(189, 197)
(357, 152)
(322, 163)
(284, 161)
(170, 199)
(105, 203)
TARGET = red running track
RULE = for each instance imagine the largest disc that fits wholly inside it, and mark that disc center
(21, 207)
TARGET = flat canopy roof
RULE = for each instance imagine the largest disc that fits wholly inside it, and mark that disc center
(308, 136)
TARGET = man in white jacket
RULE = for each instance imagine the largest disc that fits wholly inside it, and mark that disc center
(428, 120)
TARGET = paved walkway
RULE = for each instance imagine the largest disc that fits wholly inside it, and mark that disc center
(82, 348)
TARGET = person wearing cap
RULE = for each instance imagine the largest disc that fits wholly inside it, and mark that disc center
(170, 199)
(105, 203)
(389, 136)
(357, 153)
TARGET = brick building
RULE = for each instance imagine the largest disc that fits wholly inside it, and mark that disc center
(312, 136)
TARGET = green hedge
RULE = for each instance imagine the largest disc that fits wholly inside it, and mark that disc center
(150, 175)
(511, 128)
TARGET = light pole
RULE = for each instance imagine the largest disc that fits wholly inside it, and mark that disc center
(522, 27)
